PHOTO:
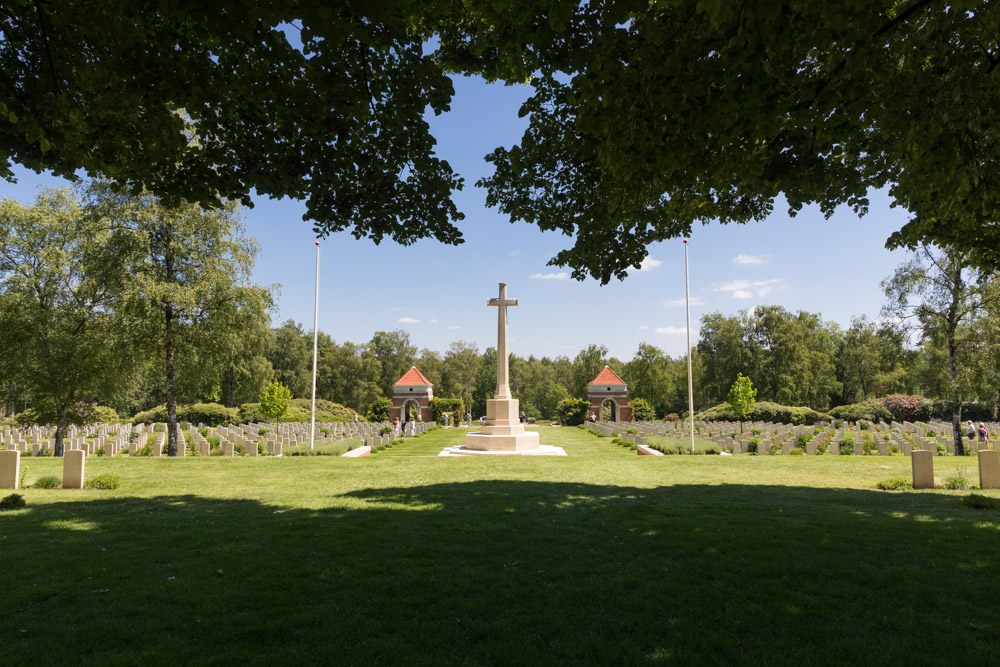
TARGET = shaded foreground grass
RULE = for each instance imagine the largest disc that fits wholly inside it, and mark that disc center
(599, 557)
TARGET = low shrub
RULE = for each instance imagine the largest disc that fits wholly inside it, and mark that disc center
(712, 450)
(385, 430)
(632, 431)
(980, 502)
(573, 411)
(14, 501)
(262, 431)
(673, 417)
(802, 440)
(956, 481)
(752, 445)
(893, 449)
(147, 450)
(822, 447)
(203, 431)
(774, 450)
(213, 442)
(47, 482)
(942, 450)
(864, 424)
(846, 445)
(755, 430)
(642, 411)
(868, 444)
(795, 451)
(324, 430)
(893, 484)
(106, 482)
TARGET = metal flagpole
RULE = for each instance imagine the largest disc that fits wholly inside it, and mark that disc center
(687, 300)
(312, 418)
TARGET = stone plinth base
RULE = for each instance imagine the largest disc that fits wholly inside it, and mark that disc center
(358, 452)
(502, 431)
(497, 442)
(541, 450)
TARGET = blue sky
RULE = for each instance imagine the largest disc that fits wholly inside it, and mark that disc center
(438, 293)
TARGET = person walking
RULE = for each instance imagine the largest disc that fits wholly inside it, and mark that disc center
(970, 430)
(984, 435)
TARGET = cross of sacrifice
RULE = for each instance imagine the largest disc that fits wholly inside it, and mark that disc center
(503, 390)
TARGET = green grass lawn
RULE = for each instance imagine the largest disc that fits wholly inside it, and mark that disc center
(599, 557)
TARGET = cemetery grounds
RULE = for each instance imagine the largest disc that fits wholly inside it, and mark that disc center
(599, 557)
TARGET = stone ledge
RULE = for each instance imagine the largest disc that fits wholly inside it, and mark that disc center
(646, 450)
(541, 450)
(358, 453)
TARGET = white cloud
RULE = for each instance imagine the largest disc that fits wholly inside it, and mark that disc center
(747, 289)
(562, 275)
(644, 328)
(748, 259)
(648, 264)
(679, 302)
(434, 321)
(454, 327)
(407, 320)
(671, 330)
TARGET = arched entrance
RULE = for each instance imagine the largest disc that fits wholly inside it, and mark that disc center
(411, 410)
(609, 411)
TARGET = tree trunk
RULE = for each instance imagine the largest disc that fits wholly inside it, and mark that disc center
(168, 260)
(232, 393)
(171, 385)
(956, 425)
(57, 449)
(956, 394)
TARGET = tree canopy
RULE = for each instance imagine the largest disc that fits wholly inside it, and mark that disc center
(645, 117)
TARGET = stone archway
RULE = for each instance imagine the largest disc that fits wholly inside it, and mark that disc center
(410, 410)
(609, 410)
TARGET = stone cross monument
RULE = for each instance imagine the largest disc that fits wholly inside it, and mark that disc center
(503, 388)
(503, 430)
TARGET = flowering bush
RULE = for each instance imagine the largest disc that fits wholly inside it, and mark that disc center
(907, 408)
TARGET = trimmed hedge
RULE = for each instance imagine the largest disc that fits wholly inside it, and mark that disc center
(454, 407)
(872, 411)
(766, 411)
(918, 408)
(210, 414)
(300, 410)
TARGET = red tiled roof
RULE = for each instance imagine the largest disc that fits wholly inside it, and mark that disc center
(607, 376)
(413, 377)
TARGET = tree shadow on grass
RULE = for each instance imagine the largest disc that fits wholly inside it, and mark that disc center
(504, 572)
